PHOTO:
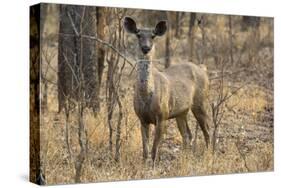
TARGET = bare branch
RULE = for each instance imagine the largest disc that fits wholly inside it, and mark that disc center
(45, 79)
(227, 97)
(243, 157)
(69, 65)
(107, 44)
(73, 25)
(110, 46)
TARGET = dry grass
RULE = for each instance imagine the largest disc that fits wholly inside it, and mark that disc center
(240, 149)
(245, 141)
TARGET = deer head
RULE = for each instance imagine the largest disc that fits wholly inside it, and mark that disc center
(145, 36)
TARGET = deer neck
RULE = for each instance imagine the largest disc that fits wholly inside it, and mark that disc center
(145, 79)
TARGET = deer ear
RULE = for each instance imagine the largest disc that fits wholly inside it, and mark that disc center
(130, 25)
(160, 28)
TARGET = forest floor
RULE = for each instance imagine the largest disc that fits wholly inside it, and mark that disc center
(244, 142)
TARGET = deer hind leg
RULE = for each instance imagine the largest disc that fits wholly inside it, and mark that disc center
(145, 139)
(188, 130)
(184, 130)
(202, 118)
(159, 130)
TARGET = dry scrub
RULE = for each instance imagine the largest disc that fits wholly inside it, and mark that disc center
(245, 145)
(244, 141)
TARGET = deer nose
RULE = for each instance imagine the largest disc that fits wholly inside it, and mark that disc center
(145, 49)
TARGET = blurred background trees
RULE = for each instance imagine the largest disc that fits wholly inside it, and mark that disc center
(88, 71)
(76, 53)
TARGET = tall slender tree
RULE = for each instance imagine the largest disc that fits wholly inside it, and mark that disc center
(75, 50)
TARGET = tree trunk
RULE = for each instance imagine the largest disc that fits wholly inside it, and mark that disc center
(44, 86)
(74, 50)
(191, 35)
(36, 173)
(90, 59)
(230, 38)
(191, 22)
(167, 46)
(178, 20)
(170, 16)
(101, 23)
(202, 25)
(250, 21)
(82, 137)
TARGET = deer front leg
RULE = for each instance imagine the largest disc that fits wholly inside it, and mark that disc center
(145, 139)
(159, 128)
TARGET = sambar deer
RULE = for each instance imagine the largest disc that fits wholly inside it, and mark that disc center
(160, 96)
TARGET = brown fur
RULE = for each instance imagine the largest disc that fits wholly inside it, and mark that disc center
(160, 96)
